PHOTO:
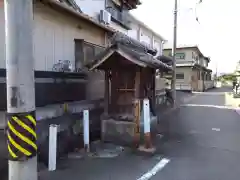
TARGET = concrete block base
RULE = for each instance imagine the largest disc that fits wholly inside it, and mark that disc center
(118, 132)
(146, 151)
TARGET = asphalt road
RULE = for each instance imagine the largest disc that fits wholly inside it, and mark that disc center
(202, 143)
(204, 140)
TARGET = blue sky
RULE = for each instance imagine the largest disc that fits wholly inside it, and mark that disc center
(217, 34)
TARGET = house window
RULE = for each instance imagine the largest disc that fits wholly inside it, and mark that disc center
(205, 63)
(180, 55)
(193, 55)
(118, 14)
(85, 52)
(197, 60)
(180, 76)
(90, 51)
(145, 39)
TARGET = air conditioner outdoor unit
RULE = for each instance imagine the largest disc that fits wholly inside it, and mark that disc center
(105, 17)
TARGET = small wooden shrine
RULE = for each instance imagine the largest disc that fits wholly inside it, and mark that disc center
(130, 73)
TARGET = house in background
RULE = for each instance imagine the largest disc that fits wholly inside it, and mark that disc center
(155, 41)
(145, 34)
(110, 12)
(113, 13)
(192, 72)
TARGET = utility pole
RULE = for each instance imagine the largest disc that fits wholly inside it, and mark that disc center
(173, 84)
(21, 123)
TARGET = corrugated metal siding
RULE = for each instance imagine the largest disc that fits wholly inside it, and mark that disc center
(59, 33)
(53, 40)
(54, 36)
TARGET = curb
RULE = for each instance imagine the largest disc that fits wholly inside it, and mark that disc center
(237, 110)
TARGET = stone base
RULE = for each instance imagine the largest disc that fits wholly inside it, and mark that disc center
(146, 151)
(118, 132)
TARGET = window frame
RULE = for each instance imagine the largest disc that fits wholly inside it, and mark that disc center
(182, 75)
(182, 56)
(81, 58)
(91, 45)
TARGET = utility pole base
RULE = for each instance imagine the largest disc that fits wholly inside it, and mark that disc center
(23, 170)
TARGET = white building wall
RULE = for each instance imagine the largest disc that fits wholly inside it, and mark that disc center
(146, 36)
(157, 45)
(134, 31)
(118, 27)
(91, 7)
(142, 33)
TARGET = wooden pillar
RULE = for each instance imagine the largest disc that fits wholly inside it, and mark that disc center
(106, 93)
(114, 92)
(137, 85)
(137, 109)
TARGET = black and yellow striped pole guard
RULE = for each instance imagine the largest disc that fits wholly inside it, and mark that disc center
(21, 136)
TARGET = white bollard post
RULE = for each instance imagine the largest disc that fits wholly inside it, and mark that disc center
(86, 130)
(146, 117)
(52, 156)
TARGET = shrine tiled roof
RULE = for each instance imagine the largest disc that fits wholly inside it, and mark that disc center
(131, 50)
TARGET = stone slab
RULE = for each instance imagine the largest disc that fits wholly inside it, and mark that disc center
(117, 132)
